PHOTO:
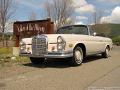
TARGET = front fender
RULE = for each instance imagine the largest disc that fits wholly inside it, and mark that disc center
(73, 44)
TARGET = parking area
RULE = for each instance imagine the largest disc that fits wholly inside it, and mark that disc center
(94, 74)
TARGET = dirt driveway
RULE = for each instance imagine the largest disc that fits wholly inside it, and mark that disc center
(95, 73)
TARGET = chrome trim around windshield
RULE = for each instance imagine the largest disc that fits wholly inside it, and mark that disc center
(88, 30)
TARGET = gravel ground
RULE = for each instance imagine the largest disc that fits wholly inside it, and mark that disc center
(59, 75)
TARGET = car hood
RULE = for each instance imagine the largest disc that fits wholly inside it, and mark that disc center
(52, 38)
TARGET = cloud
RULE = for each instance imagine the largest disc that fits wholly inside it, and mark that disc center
(110, 1)
(79, 3)
(30, 3)
(108, 11)
(114, 17)
(83, 7)
(86, 8)
(79, 23)
(81, 18)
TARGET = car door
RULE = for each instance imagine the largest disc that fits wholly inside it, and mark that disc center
(95, 44)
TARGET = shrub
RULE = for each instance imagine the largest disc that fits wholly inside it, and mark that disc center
(116, 40)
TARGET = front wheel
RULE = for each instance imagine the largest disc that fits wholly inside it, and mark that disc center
(37, 60)
(106, 53)
(77, 56)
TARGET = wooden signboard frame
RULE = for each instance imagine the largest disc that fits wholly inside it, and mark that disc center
(26, 29)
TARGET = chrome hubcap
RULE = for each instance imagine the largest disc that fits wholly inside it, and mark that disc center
(79, 56)
(107, 51)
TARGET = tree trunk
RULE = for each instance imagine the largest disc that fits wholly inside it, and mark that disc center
(3, 39)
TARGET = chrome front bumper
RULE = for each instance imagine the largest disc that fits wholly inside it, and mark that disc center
(50, 55)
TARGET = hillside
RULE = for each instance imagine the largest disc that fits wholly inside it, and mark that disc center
(110, 30)
(115, 29)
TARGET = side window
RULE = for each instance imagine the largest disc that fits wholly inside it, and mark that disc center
(79, 30)
(91, 32)
(85, 31)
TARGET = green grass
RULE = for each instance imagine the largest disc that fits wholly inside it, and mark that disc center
(116, 40)
(6, 58)
(5, 50)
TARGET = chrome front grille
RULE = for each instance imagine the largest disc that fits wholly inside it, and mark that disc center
(39, 45)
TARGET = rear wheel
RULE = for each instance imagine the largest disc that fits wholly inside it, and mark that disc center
(77, 56)
(37, 60)
(106, 53)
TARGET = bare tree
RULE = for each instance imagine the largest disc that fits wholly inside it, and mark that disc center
(7, 10)
(97, 15)
(101, 29)
(32, 16)
(60, 11)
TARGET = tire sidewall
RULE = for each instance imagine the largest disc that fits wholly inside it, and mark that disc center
(75, 60)
(106, 53)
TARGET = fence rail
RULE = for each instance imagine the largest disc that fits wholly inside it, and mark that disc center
(7, 43)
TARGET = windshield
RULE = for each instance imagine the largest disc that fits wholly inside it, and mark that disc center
(80, 29)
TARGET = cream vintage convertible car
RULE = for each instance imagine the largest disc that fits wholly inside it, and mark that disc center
(75, 42)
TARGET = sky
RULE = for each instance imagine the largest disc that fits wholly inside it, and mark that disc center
(110, 10)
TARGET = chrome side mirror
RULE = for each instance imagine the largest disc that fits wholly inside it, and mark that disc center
(94, 34)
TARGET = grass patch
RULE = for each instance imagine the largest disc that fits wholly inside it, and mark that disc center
(21, 60)
(116, 40)
(5, 50)
(7, 59)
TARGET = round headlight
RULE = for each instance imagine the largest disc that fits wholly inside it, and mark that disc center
(60, 39)
(22, 45)
(60, 47)
(60, 43)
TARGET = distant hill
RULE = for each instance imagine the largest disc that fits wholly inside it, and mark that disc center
(110, 30)
(115, 29)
